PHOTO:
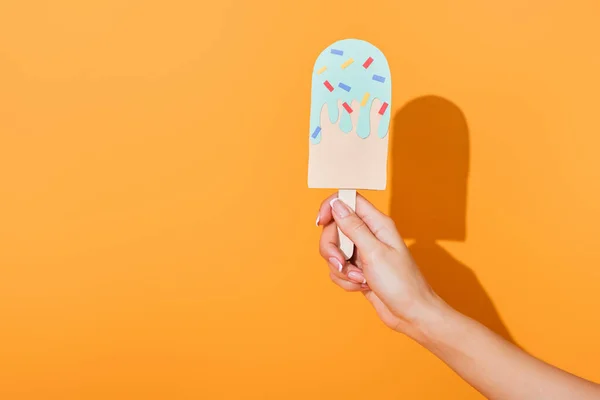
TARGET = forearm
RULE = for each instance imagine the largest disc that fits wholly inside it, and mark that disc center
(492, 365)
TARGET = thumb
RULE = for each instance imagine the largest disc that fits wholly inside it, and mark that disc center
(353, 227)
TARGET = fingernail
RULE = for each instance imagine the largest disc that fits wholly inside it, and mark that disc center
(337, 263)
(318, 218)
(357, 277)
(339, 208)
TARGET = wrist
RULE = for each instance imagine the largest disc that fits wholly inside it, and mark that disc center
(433, 314)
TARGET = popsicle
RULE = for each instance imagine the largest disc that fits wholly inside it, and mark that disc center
(350, 110)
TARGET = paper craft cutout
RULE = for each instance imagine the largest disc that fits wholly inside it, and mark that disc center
(350, 61)
(349, 121)
(349, 117)
(364, 100)
(355, 81)
(383, 108)
(345, 87)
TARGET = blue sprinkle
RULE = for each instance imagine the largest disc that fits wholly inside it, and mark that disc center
(337, 52)
(345, 87)
(378, 78)
(316, 132)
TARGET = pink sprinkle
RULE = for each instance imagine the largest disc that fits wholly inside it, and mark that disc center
(347, 107)
(383, 108)
(368, 62)
(328, 86)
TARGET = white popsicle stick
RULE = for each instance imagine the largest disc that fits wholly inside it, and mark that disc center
(348, 196)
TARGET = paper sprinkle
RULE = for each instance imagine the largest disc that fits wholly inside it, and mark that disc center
(316, 132)
(383, 108)
(347, 107)
(319, 72)
(337, 52)
(350, 61)
(368, 62)
(378, 78)
(344, 86)
(365, 99)
(328, 86)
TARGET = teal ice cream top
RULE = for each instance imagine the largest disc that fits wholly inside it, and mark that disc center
(350, 69)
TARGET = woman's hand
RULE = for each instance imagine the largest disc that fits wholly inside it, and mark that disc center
(382, 267)
(406, 303)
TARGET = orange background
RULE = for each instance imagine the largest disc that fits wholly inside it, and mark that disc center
(157, 237)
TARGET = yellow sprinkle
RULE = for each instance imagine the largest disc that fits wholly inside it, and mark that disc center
(321, 70)
(350, 61)
(364, 100)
